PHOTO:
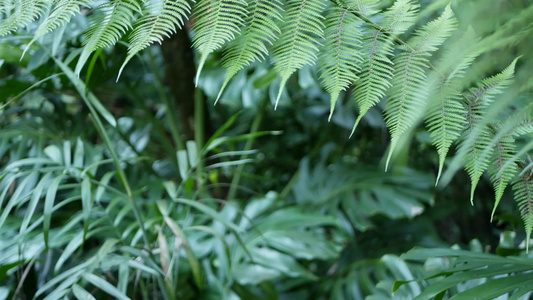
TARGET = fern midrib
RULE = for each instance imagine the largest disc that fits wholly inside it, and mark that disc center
(107, 20)
(290, 66)
(340, 29)
(239, 61)
(404, 95)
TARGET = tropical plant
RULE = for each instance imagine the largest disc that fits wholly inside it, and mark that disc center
(85, 208)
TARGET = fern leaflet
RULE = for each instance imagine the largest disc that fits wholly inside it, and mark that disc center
(109, 23)
(408, 87)
(477, 100)
(365, 7)
(339, 58)
(445, 118)
(297, 45)
(217, 22)
(61, 14)
(523, 193)
(260, 29)
(21, 13)
(161, 18)
(378, 47)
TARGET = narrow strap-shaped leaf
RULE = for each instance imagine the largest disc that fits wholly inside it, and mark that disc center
(105, 286)
(51, 195)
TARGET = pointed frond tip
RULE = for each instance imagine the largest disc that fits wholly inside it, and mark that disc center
(160, 20)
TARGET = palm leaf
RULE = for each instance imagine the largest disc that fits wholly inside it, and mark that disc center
(298, 43)
(259, 30)
(378, 47)
(340, 57)
(217, 23)
(408, 90)
(161, 19)
(108, 23)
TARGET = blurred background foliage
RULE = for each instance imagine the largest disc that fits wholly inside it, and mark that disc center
(237, 200)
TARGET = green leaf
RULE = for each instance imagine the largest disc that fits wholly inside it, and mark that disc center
(51, 195)
(104, 286)
(81, 294)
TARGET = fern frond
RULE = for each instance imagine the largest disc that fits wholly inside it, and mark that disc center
(445, 118)
(378, 46)
(161, 19)
(21, 13)
(500, 175)
(339, 58)
(259, 30)
(108, 23)
(298, 43)
(523, 194)
(217, 23)
(408, 90)
(366, 7)
(477, 100)
(60, 15)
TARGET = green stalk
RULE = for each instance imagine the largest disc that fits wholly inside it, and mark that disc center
(199, 127)
(89, 99)
(248, 146)
(170, 109)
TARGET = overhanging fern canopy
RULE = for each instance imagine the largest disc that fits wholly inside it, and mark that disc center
(358, 47)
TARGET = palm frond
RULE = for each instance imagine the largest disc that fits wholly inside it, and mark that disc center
(477, 100)
(21, 13)
(408, 91)
(217, 23)
(340, 57)
(260, 29)
(108, 23)
(445, 118)
(378, 47)
(523, 194)
(298, 44)
(61, 14)
(161, 19)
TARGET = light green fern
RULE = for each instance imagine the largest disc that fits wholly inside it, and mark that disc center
(299, 41)
(340, 58)
(366, 7)
(445, 117)
(109, 22)
(477, 100)
(217, 22)
(260, 29)
(377, 48)
(20, 13)
(63, 11)
(523, 194)
(408, 91)
(161, 19)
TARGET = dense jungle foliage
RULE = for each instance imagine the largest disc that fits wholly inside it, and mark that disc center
(253, 149)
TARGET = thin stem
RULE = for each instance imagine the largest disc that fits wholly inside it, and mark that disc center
(248, 146)
(199, 127)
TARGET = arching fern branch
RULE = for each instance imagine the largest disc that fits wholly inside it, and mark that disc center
(260, 29)
(298, 43)
(20, 13)
(161, 18)
(378, 47)
(500, 172)
(339, 58)
(217, 22)
(108, 23)
(61, 14)
(445, 118)
(523, 194)
(477, 100)
(408, 92)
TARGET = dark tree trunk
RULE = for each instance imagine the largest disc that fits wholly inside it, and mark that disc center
(180, 71)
